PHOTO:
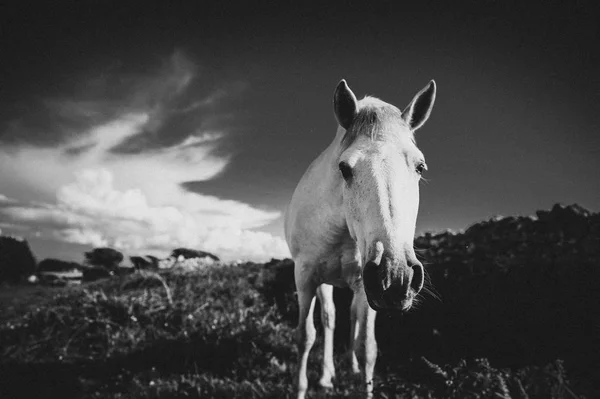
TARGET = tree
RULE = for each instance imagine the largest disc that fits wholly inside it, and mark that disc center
(56, 265)
(144, 262)
(192, 253)
(16, 259)
(107, 258)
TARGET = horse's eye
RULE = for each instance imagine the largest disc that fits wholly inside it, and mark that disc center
(421, 167)
(346, 170)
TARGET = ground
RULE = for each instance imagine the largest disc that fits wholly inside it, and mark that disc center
(214, 332)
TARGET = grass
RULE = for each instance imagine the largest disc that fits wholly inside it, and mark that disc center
(216, 333)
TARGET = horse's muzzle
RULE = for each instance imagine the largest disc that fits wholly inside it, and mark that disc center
(392, 286)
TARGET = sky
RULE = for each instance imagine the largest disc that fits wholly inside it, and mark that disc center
(149, 127)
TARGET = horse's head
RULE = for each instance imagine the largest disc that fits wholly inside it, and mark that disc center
(380, 168)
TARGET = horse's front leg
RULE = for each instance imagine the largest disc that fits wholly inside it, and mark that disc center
(305, 333)
(364, 347)
(354, 330)
(325, 294)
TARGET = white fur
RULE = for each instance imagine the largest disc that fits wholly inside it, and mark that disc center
(334, 227)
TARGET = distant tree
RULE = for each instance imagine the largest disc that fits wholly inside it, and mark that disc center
(107, 258)
(16, 259)
(192, 253)
(154, 259)
(56, 265)
(144, 262)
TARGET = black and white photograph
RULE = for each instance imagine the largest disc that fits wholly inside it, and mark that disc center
(278, 199)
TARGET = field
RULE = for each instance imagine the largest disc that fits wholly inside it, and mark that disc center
(511, 313)
(214, 333)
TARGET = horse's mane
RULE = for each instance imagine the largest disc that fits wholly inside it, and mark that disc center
(375, 118)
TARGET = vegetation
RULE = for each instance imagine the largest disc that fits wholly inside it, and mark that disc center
(211, 333)
(107, 258)
(192, 254)
(56, 265)
(147, 262)
(16, 260)
(510, 312)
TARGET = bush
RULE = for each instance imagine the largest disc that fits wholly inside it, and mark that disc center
(16, 259)
(192, 253)
(144, 262)
(107, 258)
(55, 265)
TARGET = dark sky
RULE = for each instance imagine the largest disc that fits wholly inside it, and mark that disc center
(515, 126)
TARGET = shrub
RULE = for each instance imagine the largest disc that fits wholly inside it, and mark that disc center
(56, 265)
(16, 259)
(192, 253)
(107, 258)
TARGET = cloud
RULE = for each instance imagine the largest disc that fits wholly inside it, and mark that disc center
(81, 236)
(91, 211)
(5, 199)
(89, 192)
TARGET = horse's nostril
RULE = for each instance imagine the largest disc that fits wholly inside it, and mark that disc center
(418, 277)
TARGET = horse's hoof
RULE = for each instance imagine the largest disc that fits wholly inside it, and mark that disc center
(325, 384)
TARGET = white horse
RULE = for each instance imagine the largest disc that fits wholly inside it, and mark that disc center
(351, 223)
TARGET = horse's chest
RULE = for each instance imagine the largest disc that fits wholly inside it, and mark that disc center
(339, 271)
(331, 274)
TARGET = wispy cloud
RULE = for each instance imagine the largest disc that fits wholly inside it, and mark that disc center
(92, 193)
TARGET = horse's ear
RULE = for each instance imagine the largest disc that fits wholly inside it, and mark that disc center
(419, 109)
(345, 105)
